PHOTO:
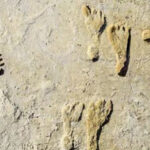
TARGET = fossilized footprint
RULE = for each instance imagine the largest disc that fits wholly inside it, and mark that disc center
(146, 35)
(119, 36)
(71, 113)
(97, 114)
(95, 23)
(1, 65)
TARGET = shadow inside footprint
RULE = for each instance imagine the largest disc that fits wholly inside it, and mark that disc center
(100, 130)
(124, 70)
(147, 40)
(95, 59)
(1, 65)
(1, 72)
(101, 30)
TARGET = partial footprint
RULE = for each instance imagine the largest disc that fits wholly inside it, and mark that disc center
(119, 36)
(71, 113)
(146, 35)
(93, 52)
(95, 22)
(1, 65)
(98, 114)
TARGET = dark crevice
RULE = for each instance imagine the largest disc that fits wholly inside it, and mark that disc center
(100, 129)
(1, 72)
(1, 65)
(95, 59)
(72, 148)
(88, 8)
(124, 70)
(80, 117)
(101, 30)
(98, 137)
(108, 117)
(147, 40)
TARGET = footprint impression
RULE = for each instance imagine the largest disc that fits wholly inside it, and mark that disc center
(119, 36)
(98, 114)
(95, 22)
(146, 35)
(71, 113)
(1, 65)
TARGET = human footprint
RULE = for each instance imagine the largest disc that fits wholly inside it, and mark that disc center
(97, 114)
(95, 22)
(71, 113)
(119, 36)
